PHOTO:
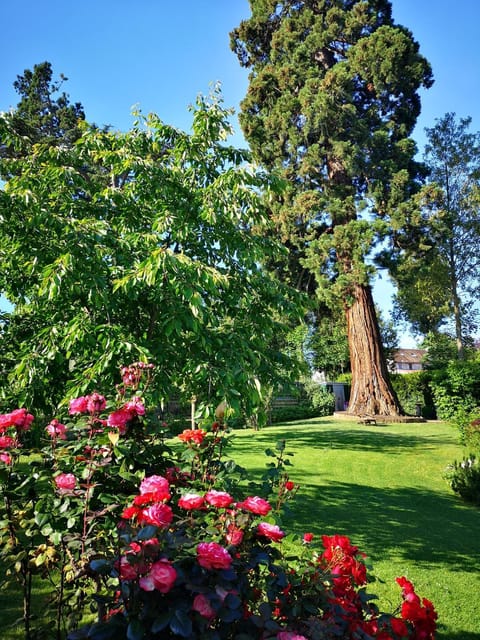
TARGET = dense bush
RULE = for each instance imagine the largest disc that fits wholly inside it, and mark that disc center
(464, 478)
(456, 388)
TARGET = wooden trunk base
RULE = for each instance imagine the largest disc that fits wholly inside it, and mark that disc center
(377, 418)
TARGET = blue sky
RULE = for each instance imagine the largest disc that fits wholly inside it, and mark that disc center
(159, 55)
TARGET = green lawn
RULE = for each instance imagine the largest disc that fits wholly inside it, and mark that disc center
(383, 486)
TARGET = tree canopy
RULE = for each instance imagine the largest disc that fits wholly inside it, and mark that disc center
(437, 266)
(144, 245)
(331, 104)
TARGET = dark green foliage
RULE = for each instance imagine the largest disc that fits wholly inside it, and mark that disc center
(43, 115)
(456, 388)
(413, 390)
(464, 478)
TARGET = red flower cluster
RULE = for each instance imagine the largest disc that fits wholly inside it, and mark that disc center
(421, 614)
(195, 436)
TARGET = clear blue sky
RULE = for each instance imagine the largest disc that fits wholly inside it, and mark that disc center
(159, 55)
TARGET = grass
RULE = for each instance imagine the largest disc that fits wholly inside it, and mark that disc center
(383, 486)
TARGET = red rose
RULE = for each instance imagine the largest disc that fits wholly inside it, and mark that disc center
(271, 531)
(218, 498)
(7, 442)
(289, 485)
(256, 505)
(211, 555)
(234, 535)
(191, 501)
(307, 537)
(193, 435)
(95, 403)
(56, 430)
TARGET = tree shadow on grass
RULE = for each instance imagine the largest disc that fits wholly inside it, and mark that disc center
(424, 526)
(337, 435)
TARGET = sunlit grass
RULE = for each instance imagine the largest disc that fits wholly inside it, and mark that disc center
(383, 486)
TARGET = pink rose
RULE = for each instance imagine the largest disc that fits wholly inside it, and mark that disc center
(211, 555)
(7, 442)
(6, 458)
(56, 430)
(218, 498)
(21, 418)
(290, 635)
(158, 514)
(65, 482)
(202, 605)
(270, 531)
(5, 421)
(256, 505)
(119, 419)
(191, 501)
(135, 406)
(157, 485)
(96, 403)
(78, 405)
(161, 577)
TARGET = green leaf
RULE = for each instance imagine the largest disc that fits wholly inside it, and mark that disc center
(135, 630)
(181, 624)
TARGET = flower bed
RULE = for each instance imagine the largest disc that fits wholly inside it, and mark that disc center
(167, 544)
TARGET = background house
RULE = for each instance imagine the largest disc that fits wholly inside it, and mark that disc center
(407, 360)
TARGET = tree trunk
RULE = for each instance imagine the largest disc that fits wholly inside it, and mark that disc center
(372, 392)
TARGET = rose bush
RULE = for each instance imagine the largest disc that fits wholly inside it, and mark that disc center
(174, 542)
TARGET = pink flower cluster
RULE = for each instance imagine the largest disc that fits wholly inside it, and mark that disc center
(12, 425)
(92, 404)
(96, 403)
(139, 563)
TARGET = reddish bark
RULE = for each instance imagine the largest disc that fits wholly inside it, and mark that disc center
(372, 392)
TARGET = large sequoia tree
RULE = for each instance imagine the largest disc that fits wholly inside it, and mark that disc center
(332, 101)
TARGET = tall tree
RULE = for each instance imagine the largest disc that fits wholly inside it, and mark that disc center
(331, 103)
(442, 262)
(43, 114)
(135, 246)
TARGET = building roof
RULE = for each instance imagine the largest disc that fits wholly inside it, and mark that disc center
(414, 356)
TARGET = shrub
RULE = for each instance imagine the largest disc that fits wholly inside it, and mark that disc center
(456, 388)
(464, 478)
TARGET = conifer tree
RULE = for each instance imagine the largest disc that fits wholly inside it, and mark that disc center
(331, 104)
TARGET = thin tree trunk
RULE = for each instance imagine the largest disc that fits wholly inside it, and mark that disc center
(372, 392)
